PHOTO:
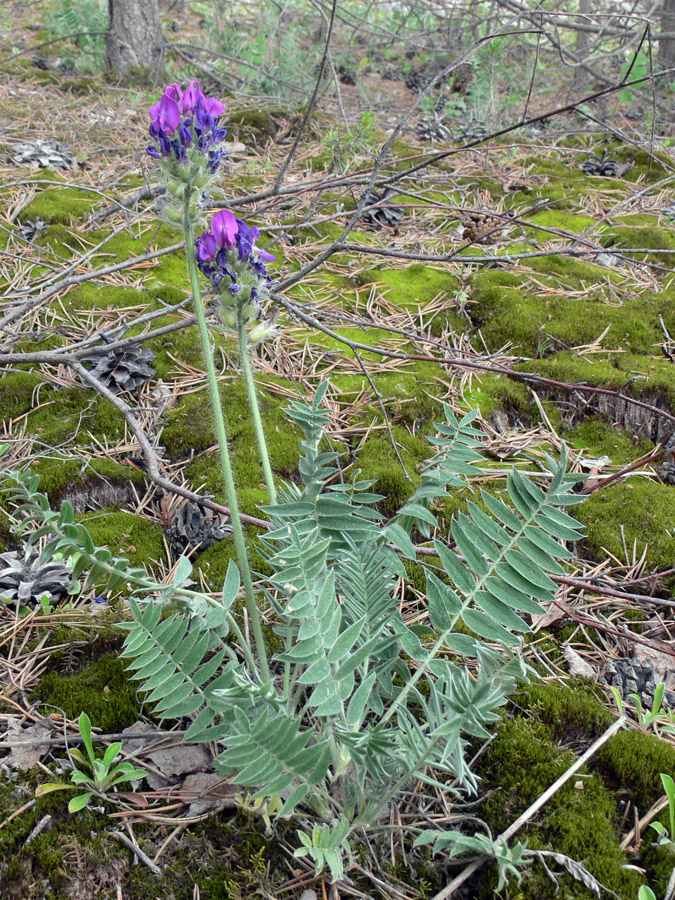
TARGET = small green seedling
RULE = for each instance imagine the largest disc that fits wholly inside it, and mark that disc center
(650, 718)
(667, 839)
(646, 893)
(101, 775)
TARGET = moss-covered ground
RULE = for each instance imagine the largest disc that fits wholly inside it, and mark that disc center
(534, 303)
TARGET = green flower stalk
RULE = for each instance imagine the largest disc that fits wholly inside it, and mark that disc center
(188, 163)
(227, 255)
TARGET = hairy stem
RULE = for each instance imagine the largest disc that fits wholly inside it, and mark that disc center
(255, 409)
(221, 435)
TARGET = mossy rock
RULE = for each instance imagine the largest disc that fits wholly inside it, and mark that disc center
(582, 822)
(126, 534)
(72, 414)
(101, 689)
(103, 478)
(601, 438)
(645, 509)
(257, 126)
(654, 238)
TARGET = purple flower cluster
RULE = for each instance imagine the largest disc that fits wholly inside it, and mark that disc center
(227, 255)
(227, 234)
(182, 119)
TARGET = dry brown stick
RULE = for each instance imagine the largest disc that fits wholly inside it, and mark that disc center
(26, 306)
(136, 850)
(532, 810)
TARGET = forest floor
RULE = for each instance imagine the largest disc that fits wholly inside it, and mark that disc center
(507, 280)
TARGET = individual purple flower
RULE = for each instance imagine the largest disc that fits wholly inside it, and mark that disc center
(190, 99)
(186, 137)
(224, 227)
(206, 247)
(165, 115)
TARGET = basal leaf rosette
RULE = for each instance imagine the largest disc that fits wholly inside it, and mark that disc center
(185, 128)
(226, 254)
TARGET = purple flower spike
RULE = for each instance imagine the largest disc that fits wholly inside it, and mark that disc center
(206, 247)
(224, 227)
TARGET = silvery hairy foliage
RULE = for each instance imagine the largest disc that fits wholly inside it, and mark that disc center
(359, 703)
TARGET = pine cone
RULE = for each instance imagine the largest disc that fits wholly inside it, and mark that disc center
(383, 215)
(433, 129)
(601, 166)
(196, 527)
(124, 369)
(635, 676)
(483, 226)
(24, 579)
(32, 229)
(45, 154)
(470, 129)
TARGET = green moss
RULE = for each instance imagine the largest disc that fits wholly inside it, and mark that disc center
(536, 324)
(180, 346)
(654, 238)
(376, 460)
(632, 762)
(646, 511)
(574, 712)
(72, 413)
(189, 430)
(102, 690)
(600, 438)
(125, 534)
(491, 393)
(572, 273)
(651, 379)
(258, 125)
(17, 391)
(565, 221)
(213, 563)
(94, 296)
(60, 205)
(414, 287)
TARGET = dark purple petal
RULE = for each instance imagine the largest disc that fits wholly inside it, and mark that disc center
(203, 117)
(186, 137)
(152, 152)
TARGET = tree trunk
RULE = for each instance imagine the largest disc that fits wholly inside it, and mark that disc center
(667, 44)
(134, 38)
(583, 42)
